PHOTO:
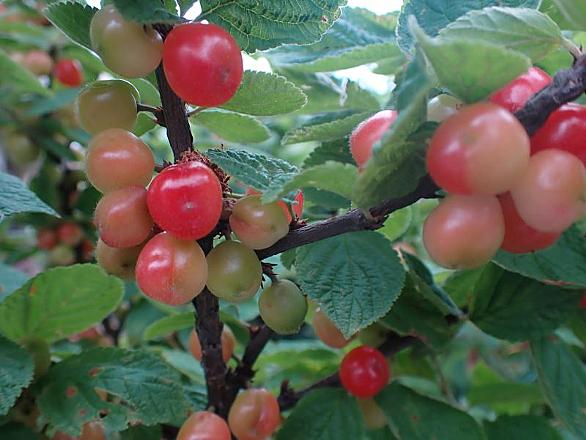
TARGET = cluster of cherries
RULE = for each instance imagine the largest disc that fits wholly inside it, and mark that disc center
(66, 71)
(506, 190)
(62, 241)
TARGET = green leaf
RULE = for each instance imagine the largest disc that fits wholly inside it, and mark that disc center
(14, 76)
(521, 427)
(266, 94)
(18, 431)
(142, 433)
(358, 98)
(145, 11)
(73, 19)
(335, 177)
(397, 224)
(355, 278)
(510, 306)
(59, 303)
(150, 389)
(433, 15)
(398, 161)
(169, 324)
(338, 128)
(233, 126)
(358, 37)
(338, 151)
(416, 417)
(561, 263)
(264, 24)
(16, 372)
(524, 30)
(46, 105)
(574, 11)
(471, 69)
(185, 5)
(16, 198)
(505, 393)
(326, 414)
(255, 170)
(10, 280)
(563, 379)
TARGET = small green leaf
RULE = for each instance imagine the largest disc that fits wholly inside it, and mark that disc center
(561, 263)
(232, 126)
(325, 131)
(59, 303)
(150, 389)
(14, 76)
(563, 379)
(416, 417)
(510, 306)
(574, 11)
(326, 414)
(338, 151)
(169, 324)
(16, 198)
(145, 11)
(397, 224)
(471, 69)
(521, 29)
(73, 19)
(16, 372)
(266, 94)
(355, 278)
(263, 24)
(331, 176)
(255, 170)
(520, 427)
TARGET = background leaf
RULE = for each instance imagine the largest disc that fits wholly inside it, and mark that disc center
(233, 126)
(19, 79)
(145, 11)
(529, 427)
(73, 19)
(169, 324)
(16, 198)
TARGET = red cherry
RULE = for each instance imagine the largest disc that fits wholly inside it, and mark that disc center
(297, 207)
(565, 129)
(202, 63)
(515, 94)
(369, 132)
(69, 72)
(70, 233)
(364, 371)
(186, 200)
(521, 238)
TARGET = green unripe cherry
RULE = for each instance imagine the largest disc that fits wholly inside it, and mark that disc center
(234, 271)
(283, 307)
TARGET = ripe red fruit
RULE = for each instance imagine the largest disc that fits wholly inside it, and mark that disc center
(550, 195)
(515, 94)
(254, 415)
(204, 425)
(482, 149)
(521, 238)
(186, 200)
(464, 232)
(170, 270)
(327, 331)
(367, 133)
(69, 72)
(122, 217)
(46, 239)
(70, 234)
(297, 207)
(364, 371)
(565, 129)
(202, 63)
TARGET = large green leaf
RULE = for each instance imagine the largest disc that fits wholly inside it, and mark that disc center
(433, 15)
(469, 68)
(521, 29)
(149, 388)
(16, 77)
(255, 170)
(146, 11)
(563, 379)
(331, 176)
(232, 126)
(10, 280)
(358, 37)
(16, 372)
(561, 263)
(355, 278)
(16, 198)
(520, 427)
(327, 414)
(574, 11)
(510, 306)
(266, 94)
(59, 303)
(340, 126)
(263, 24)
(73, 18)
(416, 417)
(169, 324)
